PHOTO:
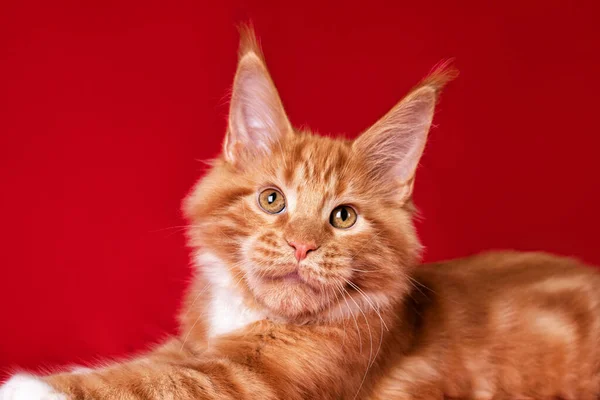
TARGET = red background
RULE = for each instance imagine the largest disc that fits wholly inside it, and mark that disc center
(106, 108)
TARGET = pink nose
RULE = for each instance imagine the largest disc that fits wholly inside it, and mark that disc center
(302, 249)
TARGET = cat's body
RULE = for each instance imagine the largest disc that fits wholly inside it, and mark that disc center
(307, 281)
(501, 325)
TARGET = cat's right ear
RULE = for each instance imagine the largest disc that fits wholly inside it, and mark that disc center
(393, 146)
(257, 119)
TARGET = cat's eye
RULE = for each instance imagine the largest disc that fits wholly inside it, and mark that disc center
(343, 217)
(271, 200)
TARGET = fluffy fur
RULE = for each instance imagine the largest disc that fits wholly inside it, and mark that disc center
(355, 319)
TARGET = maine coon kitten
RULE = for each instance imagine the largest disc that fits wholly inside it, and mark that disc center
(306, 286)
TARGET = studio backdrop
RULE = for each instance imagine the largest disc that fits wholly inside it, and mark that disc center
(109, 108)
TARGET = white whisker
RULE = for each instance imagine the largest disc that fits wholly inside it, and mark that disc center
(371, 341)
(366, 297)
(340, 288)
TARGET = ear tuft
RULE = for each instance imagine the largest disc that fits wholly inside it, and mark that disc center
(441, 74)
(249, 43)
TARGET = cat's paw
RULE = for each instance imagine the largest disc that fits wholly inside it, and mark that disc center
(27, 387)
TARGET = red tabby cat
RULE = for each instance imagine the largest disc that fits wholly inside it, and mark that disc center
(306, 286)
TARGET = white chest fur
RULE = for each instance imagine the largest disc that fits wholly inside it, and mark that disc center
(227, 311)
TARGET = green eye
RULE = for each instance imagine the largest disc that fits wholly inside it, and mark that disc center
(271, 201)
(343, 217)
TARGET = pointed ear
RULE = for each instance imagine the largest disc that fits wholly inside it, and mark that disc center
(393, 146)
(257, 119)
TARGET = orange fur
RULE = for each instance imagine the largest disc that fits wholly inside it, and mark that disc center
(355, 319)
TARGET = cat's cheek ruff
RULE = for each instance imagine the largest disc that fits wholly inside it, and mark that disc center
(227, 311)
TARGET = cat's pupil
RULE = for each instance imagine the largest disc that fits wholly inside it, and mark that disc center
(343, 214)
(272, 197)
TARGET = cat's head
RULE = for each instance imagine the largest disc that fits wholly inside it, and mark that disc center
(297, 222)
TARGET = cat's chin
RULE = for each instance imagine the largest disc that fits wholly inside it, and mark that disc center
(289, 295)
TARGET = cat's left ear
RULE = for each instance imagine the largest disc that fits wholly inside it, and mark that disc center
(257, 119)
(393, 146)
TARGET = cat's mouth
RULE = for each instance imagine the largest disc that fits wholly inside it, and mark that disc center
(294, 278)
(291, 277)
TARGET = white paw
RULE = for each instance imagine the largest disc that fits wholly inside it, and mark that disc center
(27, 387)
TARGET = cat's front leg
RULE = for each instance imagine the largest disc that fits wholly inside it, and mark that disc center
(264, 361)
(87, 383)
(29, 387)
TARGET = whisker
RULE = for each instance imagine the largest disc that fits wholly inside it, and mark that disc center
(418, 285)
(362, 270)
(371, 341)
(196, 298)
(366, 297)
(380, 341)
(169, 228)
(190, 331)
(337, 299)
(381, 321)
(356, 253)
(340, 288)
